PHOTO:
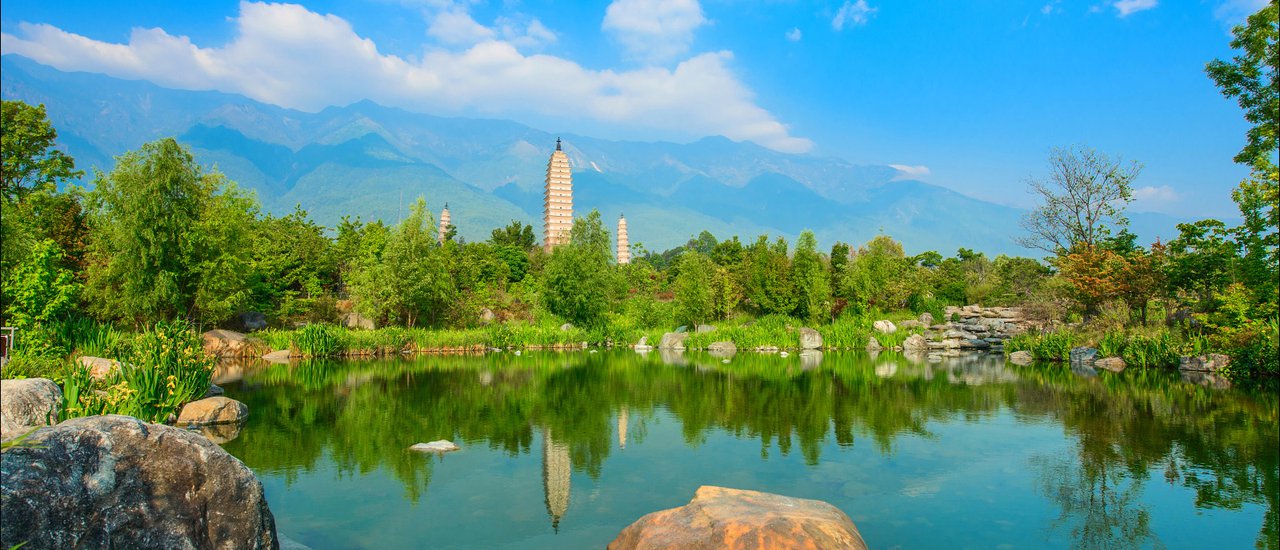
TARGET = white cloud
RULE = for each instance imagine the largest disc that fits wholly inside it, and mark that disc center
(1130, 7)
(532, 34)
(1234, 12)
(1163, 193)
(854, 13)
(654, 31)
(794, 34)
(906, 171)
(455, 27)
(289, 56)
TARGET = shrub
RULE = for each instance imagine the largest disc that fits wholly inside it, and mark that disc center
(1159, 350)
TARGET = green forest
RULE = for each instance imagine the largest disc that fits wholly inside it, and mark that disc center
(160, 238)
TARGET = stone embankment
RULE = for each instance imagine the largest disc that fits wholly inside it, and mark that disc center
(973, 328)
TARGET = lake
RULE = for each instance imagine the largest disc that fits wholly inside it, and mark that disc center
(563, 450)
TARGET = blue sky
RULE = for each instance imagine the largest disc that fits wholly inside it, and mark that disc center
(970, 95)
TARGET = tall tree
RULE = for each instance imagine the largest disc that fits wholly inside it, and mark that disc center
(515, 234)
(170, 239)
(407, 281)
(1250, 77)
(578, 278)
(1082, 200)
(694, 291)
(28, 148)
(809, 275)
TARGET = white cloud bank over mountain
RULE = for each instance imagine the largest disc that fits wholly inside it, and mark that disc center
(287, 55)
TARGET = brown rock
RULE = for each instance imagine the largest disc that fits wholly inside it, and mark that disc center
(99, 367)
(1113, 364)
(1021, 358)
(213, 410)
(735, 519)
(229, 343)
(1213, 362)
(117, 482)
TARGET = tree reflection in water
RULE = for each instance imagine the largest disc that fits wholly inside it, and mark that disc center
(1126, 427)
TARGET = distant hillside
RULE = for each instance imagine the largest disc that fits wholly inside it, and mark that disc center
(370, 161)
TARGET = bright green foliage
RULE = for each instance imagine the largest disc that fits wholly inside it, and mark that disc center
(694, 292)
(172, 240)
(767, 283)
(1160, 350)
(516, 235)
(812, 284)
(28, 148)
(40, 291)
(293, 265)
(1259, 236)
(165, 368)
(516, 259)
(404, 279)
(725, 293)
(578, 278)
(879, 276)
(318, 340)
(1251, 78)
(728, 253)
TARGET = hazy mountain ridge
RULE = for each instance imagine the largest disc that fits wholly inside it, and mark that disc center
(371, 161)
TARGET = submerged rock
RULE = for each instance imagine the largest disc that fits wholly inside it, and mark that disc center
(718, 517)
(439, 446)
(27, 404)
(673, 340)
(1113, 364)
(117, 482)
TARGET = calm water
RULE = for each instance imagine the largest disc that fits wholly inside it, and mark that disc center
(564, 450)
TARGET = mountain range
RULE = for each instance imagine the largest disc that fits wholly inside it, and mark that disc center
(369, 161)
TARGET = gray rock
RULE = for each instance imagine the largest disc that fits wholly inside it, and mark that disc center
(915, 342)
(975, 344)
(1113, 364)
(27, 404)
(356, 320)
(1081, 355)
(214, 391)
(486, 316)
(566, 327)
(1213, 362)
(673, 340)
(117, 482)
(722, 349)
(884, 326)
(252, 320)
(438, 446)
(958, 334)
(810, 339)
(873, 344)
(926, 318)
(644, 341)
(1022, 358)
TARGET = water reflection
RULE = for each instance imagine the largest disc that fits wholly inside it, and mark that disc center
(1126, 428)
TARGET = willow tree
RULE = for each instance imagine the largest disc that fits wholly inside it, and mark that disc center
(170, 239)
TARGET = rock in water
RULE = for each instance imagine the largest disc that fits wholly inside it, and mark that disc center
(673, 340)
(228, 343)
(1022, 358)
(810, 339)
(915, 342)
(873, 344)
(1113, 364)
(278, 356)
(722, 349)
(26, 405)
(734, 519)
(439, 446)
(117, 482)
(1081, 355)
(213, 410)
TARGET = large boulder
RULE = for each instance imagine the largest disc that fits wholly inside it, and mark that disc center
(27, 404)
(735, 519)
(213, 410)
(229, 343)
(673, 340)
(885, 326)
(117, 482)
(1081, 355)
(810, 339)
(915, 342)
